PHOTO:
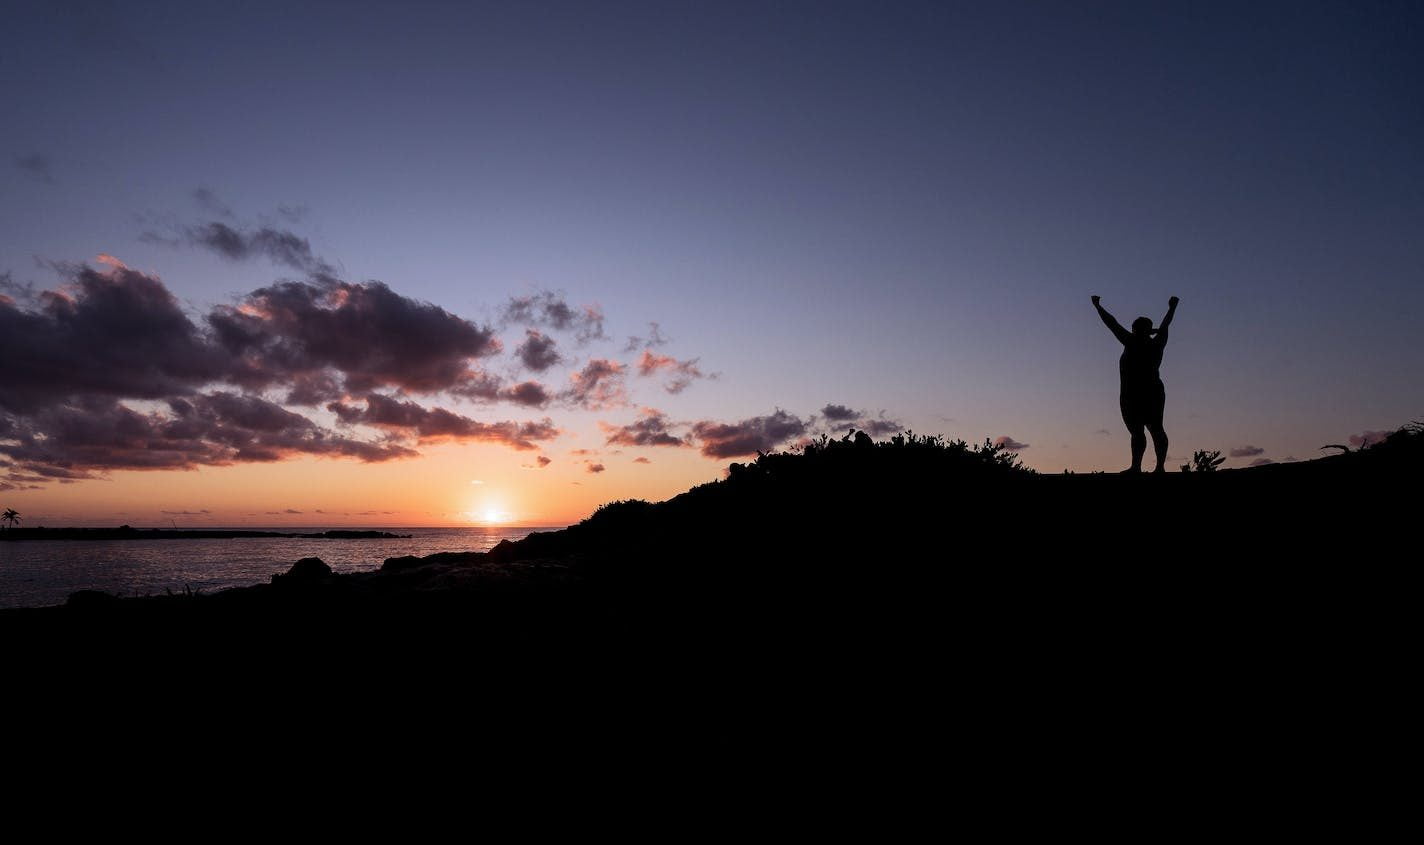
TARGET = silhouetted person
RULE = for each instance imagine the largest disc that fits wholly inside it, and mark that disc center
(1142, 396)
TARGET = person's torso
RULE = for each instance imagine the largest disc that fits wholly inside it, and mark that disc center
(1140, 364)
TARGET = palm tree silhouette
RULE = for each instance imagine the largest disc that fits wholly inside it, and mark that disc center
(11, 516)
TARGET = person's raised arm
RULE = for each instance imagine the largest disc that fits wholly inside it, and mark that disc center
(1167, 320)
(1111, 322)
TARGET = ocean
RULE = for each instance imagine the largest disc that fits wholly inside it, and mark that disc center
(35, 573)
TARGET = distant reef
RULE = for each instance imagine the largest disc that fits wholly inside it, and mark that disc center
(125, 532)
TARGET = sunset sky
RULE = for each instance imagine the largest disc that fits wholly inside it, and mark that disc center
(429, 264)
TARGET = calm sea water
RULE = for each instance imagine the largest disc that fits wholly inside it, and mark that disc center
(40, 572)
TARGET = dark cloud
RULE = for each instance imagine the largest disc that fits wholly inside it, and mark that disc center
(37, 166)
(276, 245)
(749, 436)
(1247, 451)
(650, 429)
(479, 385)
(437, 424)
(846, 418)
(538, 352)
(11, 290)
(543, 461)
(1260, 462)
(641, 461)
(880, 427)
(680, 373)
(597, 386)
(114, 332)
(314, 388)
(1368, 438)
(207, 200)
(290, 510)
(186, 513)
(97, 434)
(530, 394)
(369, 333)
(486, 387)
(1010, 444)
(548, 308)
(593, 467)
(655, 338)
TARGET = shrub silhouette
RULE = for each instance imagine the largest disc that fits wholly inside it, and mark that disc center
(1204, 461)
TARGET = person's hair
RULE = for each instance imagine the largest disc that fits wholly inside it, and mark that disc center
(1142, 325)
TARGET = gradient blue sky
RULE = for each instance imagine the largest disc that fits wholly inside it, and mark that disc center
(893, 206)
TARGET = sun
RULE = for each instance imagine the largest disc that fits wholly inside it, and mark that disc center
(488, 516)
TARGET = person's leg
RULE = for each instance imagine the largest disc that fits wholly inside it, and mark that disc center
(1133, 420)
(1159, 443)
(1159, 434)
(1139, 446)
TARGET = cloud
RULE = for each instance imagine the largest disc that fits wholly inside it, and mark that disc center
(1368, 438)
(207, 200)
(641, 460)
(1010, 444)
(593, 467)
(548, 308)
(847, 418)
(597, 386)
(279, 246)
(880, 427)
(1103, 432)
(650, 429)
(476, 481)
(681, 373)
(291, 510)
(538, 352)
(540, 462)
(371, 335)
(429, 425)
(530, 394)
(1260, 462)
(482, 386)
(748, 436)
(1247, 451)
(96, 434)
(37, 165)
(186, 513)
(113, 333)
(655, 338)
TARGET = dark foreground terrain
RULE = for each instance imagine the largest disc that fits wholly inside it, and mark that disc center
(918, 592)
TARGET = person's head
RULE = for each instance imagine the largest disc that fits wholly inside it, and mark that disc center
(1142, 327)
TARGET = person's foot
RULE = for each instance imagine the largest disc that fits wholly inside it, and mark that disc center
(1131, 471)
(1158, 469)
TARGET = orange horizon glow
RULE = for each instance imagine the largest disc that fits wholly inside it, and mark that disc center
(451, 485)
